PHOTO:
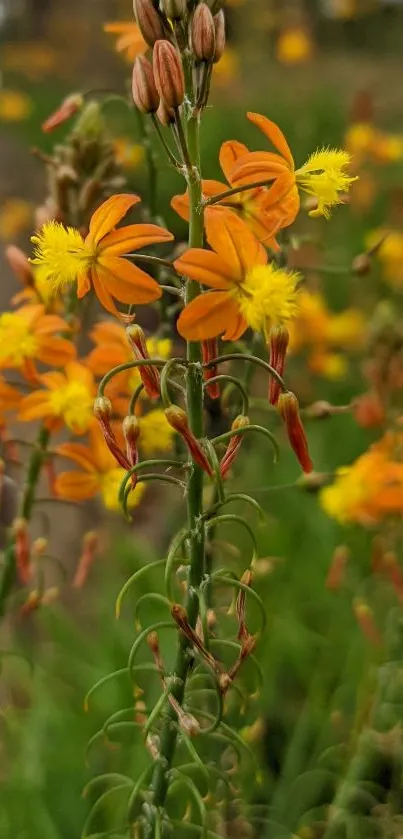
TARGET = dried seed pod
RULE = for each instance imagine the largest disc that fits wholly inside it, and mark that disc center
(168, 73)
(149, 21)
(145, 94)
(202, 34)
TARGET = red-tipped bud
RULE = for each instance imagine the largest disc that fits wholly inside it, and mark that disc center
(178, 420)
(70, 106)
(88, 553)
(335, 574)
(289, 411)
(278, 343)
(20, 265)
(219, 27)
(168, 73)
(241, 605)
(103, 413)
(165, 115)
(149, 21)
(149, 375)
(131, 433)
(210, 351)
(22, 550)
(202, 33)
(365, 619)
(145, 94)
(234, 445)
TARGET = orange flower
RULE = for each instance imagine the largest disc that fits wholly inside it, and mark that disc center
(130, 41)
(323, 176)
(29, 334)
(65, 257)
(10, 399)
(253, 206)
(67, 397)
(247, 290)
(98, 474)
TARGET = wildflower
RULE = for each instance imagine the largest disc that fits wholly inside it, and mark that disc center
(34, 59)
(389, 253)
(98, 474)
(67, 397)
(368, 490)
(28, 335)
(227, 68)
(10, 398)
(249, 205)
(247, 290)
(129, 155)
(15, 106)
(15, 217)
(294, 46)
(156, 434)
(97, 260)
(130, 41)
(323, 175)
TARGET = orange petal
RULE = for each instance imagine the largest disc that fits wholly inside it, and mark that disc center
(102, 359)
(53, 380)
(257, 166)
(34, 406)
(51, 323)
(80, 454)
(278, 191)
(133, 237)
(230, 152)
(126, 282)
(78, 372)
(103, 295)
(205, 267)
(234, 242)
(55, 351)
(210, 188)
(107, 216)
(77, 486)
(83, 285)
(209, 315)
(273, 134)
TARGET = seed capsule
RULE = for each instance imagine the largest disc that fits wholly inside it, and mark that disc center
(219, 27)
(145, 94)
(203, 34)
(149, 21)
(168, 74)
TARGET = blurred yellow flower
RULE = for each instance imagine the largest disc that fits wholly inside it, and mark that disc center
(130, 42)
(294, 46)
(15, 105)
(390, 254)
(15, 217)
(227, 68)
(35, 60)
(129, 155)
(364, 141)
(155, 432)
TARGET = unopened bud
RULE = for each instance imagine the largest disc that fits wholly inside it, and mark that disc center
(234, 445)
(88, 553)
(149, 21)
(19, 264)
(22, 550)
(149, 375)
(335, 574)
(278, 343)
(102, 408)
(103, 413)
(365, 619)
(361, 264)
(144, 92)
(209, 352)
(131, 432)
(219, 28)
(168, 73)
(70, 106)
(289, 412)
(178, 420)
(39, 546)
(174, 9)
(203, 33)
(165, 115)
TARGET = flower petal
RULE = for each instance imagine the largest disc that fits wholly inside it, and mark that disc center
(80, 454)
(77, 486)
(51, 323)
(205, 267)
(126, 282)
(210, 188)
(230, 152)
(209, 315)
(107, 216)
(274, 135)
(257, 166)
(103, 295)
(234, 242)
(34, 406)
(133, 237)
(275, 195)
(59, 349)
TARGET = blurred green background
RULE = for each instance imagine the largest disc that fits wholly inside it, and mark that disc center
(320, 668)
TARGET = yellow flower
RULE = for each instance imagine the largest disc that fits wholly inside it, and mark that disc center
(323, 175)
(267, 294)
(294, 46)
(67, 397)
(129, 155)
(390, 254)
(155, 432)
(15, 217)
(34, 59)
(61, 254)
(15, 106)
(226, 70)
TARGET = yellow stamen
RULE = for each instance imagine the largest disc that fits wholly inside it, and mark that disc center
(74, 402)
(61, 253)
(324, 176)
(267, 294)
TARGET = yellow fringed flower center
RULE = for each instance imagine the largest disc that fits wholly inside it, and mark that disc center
(324, 176)
(61, 254)
(267, 294)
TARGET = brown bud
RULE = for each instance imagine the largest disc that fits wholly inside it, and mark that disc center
(178, 420)
(70, 106)
(102, 408)
(234, 445)
(278, 343)
(203, 33)
(361, 264)
(168, 73)
(131, 432)
(174, 9)
(149, 375)
(144, 92)
(219, 28)
(289, 412)
(149, 21)
(165, 115)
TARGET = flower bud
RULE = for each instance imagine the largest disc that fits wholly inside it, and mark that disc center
(102, 408)
(149, 21)
(361, 264)
(19, 264)
(337, 568)
(22, 550)
(144, 92)
(149, 375)
(202, 33)
(88, 552)
(178, 420)
(365, 619)
(165, 115)
(210, 351)
(131, 432)
(174, 9)
(289, 412)
(234, 445)
(103, 413)
(168, 73)
(278, 343)
(219, 28)
(70, 106)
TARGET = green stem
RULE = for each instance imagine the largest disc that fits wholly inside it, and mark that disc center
(196, 527)
(36, 461)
